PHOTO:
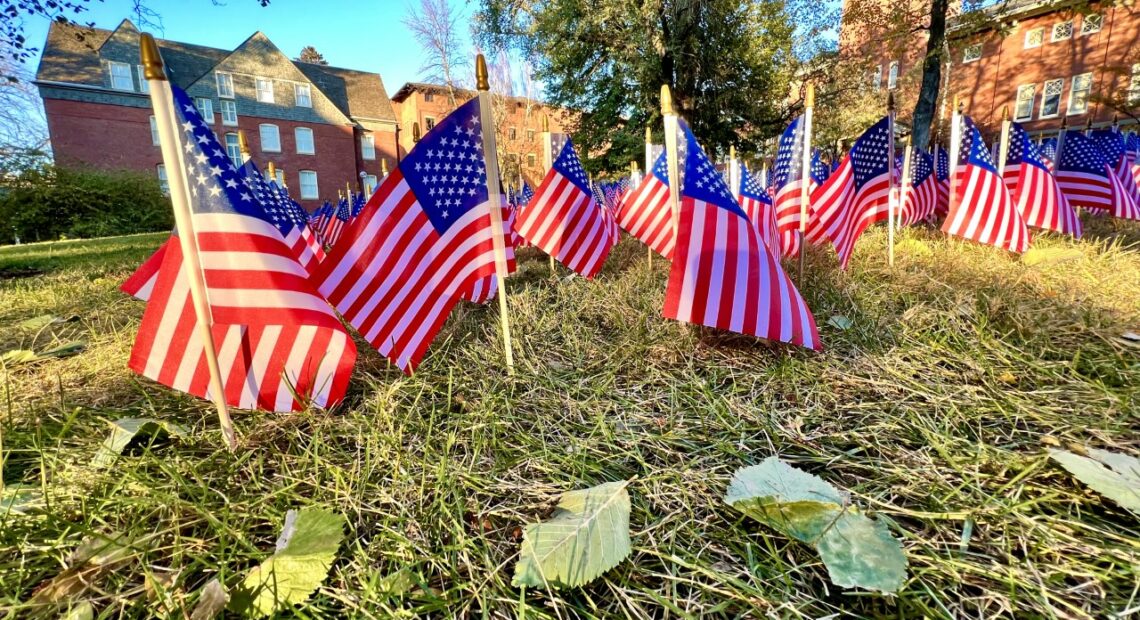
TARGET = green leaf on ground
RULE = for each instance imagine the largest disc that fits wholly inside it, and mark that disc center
(587, 535)
(125, 430)
(838, 321)
(1115, 476)
(857, 551)
(19, 499)
(25, 356)
(1050, 256)
(913, 247)
(80, 611)
(94, 557)
(305, 553)
(37, 323)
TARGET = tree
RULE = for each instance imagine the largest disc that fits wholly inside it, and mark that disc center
(727, 62)
(435, 26)
(310, 54)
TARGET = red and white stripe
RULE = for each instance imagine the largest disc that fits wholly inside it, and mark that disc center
(921, 202)
(396, 279)
(274, 336)
(1039, 199)
(983, 211)
(140, 284)
(787, 202)
(724, 276)
(485, 289)
(763, 218)
(646, 214)
(567, 223)
(1105, 192)
(840, 212)
(305, 247)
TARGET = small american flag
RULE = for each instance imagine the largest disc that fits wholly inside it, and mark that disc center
(565, 220)
(1132, 152)
(275, 336)
(757, 205)
(786, 183)
(338, 223)
(646, 213)
(1115, 148)
(942, 174)
(922, 195)
(1049, 150)
(320, 219)
(286, 215)
(421, 243)
(983, 211)
(856, 195)
(1088, 180)
(1034, 190)
(723, 275)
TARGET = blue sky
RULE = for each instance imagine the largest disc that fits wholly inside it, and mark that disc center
(357, 34)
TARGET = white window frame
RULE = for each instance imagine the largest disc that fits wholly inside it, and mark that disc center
(298, 89)
(1069, 110)
(302, 176)
(1134, 85)
(278, 176)
(1053, 38)
(221, 79)
(1098, 20)
(261, 138)
(264, 87)
(429, 123)
(163, 180)
(300, 131)
(367, 146)
(224, 105)
(531, 159)
(144, 86)
(205, 107)
(233, 148)
(370, 180)
(154, 132)
(967, 57)
(893, 75)
(1032, 88)
(877, 80)
(1045, 98)
(1040, 30)
(125, 73)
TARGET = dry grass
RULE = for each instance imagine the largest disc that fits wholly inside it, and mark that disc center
(931, 409)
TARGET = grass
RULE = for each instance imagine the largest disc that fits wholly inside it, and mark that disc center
(934, 410)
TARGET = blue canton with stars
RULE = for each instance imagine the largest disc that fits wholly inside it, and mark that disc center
(819, 170)
(1022, 150)
(1049, 148)
(445, 169)
(282, 211)
(700, 179)
(1080, 154)
(973, 150)
(869, 154)
(1133, 143)
(661, 168)
(921, 168)
(343, 210)
(1111, 143)
(941, 163)
(750, 186)
(789, 154)
(568, 165)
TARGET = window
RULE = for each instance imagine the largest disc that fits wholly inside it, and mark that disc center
(512, 133)
(368, 146)
(1079, 93)
(1051, 101)
(225, 85)
(144, 86)
(270, 139)
(154, 131)
(1034, 38)
(233, 149)
(429, 123)
(229, 111)
(163, 183)
(264, 90)
(121, 78)
(877, 77)
(1062, 31)
(893, 76)
(530, 135)
(279, 176)
(302, 95)
(530, 159)
(1023, 109)
(205, 108)
(308, 185)
(428, 97)
(972, 53)
(304, 137)
(370, 182)
(1090, 24)
(513, 158)
(1134, 85)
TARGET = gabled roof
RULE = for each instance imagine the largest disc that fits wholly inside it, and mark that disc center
(354, 92)
(462, 94)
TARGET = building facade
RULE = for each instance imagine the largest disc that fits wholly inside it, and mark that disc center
(323, 127)
(1046, 62)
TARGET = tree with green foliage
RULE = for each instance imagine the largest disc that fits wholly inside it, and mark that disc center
(729, 64)
(310, 54)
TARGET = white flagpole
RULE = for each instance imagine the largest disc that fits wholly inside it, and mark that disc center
(494, 198)
(162, 100)
(955, 146)
(734, 172)
(908, 152)
(670, 117)
(1003, 144)
(805, 175)
(891, 196)
(547, 163)
(649, 170)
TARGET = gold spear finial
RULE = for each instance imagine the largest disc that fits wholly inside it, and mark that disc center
(633, 167)
(415, 132)
(243, 145)
(151, 59)
(648, 134)
(666, 100)
(732, 151)
(1004, 113)
(272, 171)
(959, 104)
(283, 182)
(809, 98)
(384, 167)
(545, 123)
(908, 139)
(481, 81)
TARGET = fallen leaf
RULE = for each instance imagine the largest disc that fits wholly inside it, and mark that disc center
(839, 321)
(125, 430)
(1115, 476)
(211, 601)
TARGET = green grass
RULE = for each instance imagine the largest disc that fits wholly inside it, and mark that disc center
(933, 410)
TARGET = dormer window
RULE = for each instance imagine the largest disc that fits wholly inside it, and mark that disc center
(302, 95)
(225, 85)
(121, 78)
(264, 90)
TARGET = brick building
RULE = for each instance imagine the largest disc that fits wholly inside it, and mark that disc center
(321, 125)
(520, 123)
(1046, 61)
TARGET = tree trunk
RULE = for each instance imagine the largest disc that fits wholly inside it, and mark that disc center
(927, 102)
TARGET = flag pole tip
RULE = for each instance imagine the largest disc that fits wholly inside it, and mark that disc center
(272, 170)
(666, 100)
(481, 81)
(648, 134)
(151, 58)
(1004, 113)
(546, 123)
(809, 97)
(243, 144)
(415, 132)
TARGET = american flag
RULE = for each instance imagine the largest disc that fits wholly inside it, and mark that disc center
(1049, 150)
(983, 211)
(1132, 153)
(526, 194)
(140, 283)
(320, 219)
(646, 213)
(786, 183)
(856, 195)
(942, 174)
(1033, 189)
(819, 170)
(922, 195)
(275, 336)
(757, 205)
(338, 223)
(1115, 148)
(723, 275)
(288, 216)
(421, 243)
(565, 220)
(1088, 180)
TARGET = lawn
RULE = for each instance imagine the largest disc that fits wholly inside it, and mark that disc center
(934, 410)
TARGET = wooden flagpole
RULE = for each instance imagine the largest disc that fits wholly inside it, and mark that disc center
(547, 163)
(733, 172)
(1003, 145)
(891, 194)
(805, 175)
(955, 145)
(162, 100)
(494, 200)
(649, 170)
(908, 152)
(671, 127)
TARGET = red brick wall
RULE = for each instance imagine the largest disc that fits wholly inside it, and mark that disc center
(107, 137)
